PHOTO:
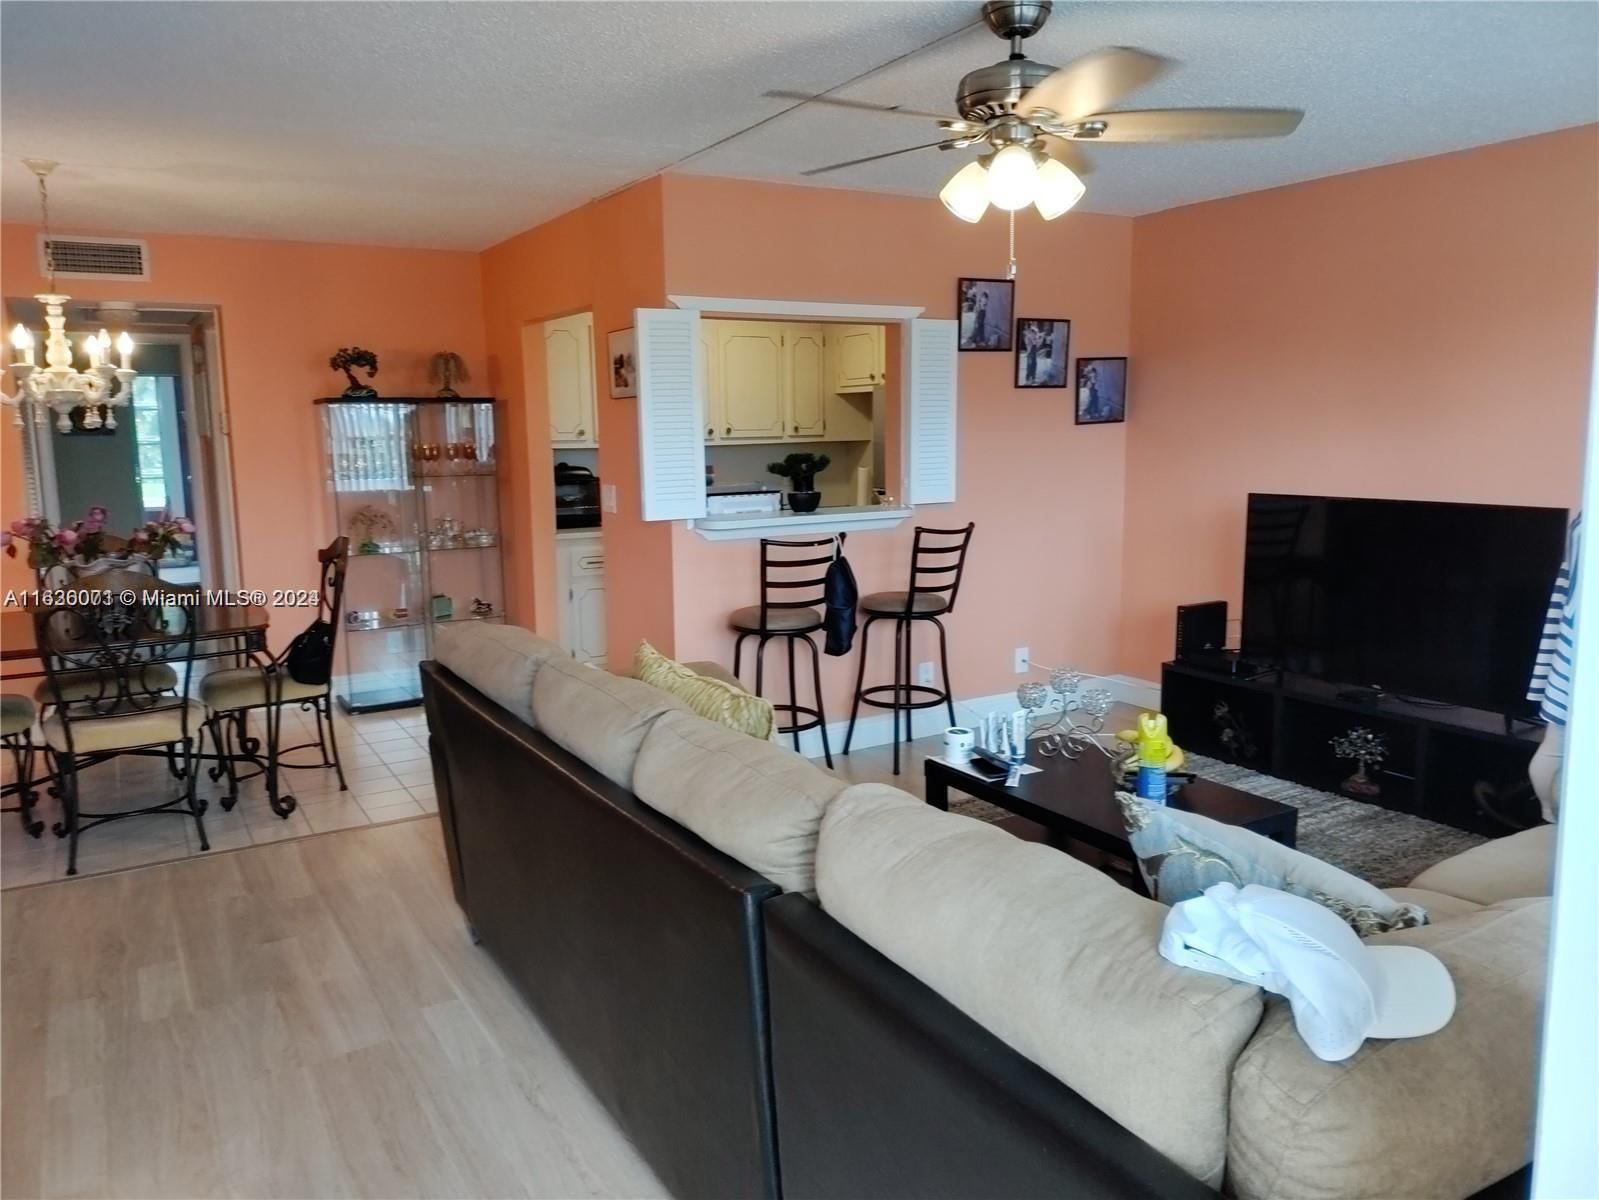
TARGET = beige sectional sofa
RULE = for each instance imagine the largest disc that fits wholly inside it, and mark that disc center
(1060, 963)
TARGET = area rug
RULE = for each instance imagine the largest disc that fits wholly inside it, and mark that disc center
(1386, 848)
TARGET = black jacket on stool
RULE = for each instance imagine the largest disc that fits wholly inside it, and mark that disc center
(841, 596)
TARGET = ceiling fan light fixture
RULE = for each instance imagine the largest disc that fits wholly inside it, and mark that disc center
(966, 193)
(1059, 189)
(1012, 178)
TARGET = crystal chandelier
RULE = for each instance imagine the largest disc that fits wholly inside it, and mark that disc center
(58, 386)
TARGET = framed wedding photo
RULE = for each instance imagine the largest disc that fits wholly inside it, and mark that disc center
(1101, 391)
(1043, 349)
(621, 350)
(985, 307)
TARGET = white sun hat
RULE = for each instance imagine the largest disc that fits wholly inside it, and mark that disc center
(1342, 990)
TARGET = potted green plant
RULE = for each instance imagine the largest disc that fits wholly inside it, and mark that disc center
(366, 522)
(801, 470)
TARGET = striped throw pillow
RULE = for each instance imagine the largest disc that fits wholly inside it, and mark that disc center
(724, 703)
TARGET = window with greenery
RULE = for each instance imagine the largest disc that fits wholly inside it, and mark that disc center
(147, 436)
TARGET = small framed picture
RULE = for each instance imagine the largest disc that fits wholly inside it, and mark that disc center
(621, 349)
(985, 307)
(1101, 391)
(1043, 348)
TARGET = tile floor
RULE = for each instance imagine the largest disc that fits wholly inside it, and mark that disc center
(385, 765)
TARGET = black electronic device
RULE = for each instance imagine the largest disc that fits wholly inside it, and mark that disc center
(1418, 600)
(1201, 630)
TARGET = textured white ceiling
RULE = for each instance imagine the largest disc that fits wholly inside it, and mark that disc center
(459, 124)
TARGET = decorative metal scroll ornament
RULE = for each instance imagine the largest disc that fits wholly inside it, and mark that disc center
(1080, 721)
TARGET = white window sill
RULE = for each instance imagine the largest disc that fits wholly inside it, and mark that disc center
(855, 519)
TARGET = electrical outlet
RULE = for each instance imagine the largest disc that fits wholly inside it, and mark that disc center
(1024, 660)
(924, 673)
(608, 497)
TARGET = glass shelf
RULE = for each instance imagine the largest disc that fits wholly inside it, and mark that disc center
(388, 476)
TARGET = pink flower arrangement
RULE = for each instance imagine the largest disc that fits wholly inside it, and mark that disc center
(84, 540)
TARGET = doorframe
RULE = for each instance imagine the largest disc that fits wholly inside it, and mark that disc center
(220, 556)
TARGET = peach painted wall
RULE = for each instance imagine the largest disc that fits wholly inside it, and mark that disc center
(606, 258)
(1419, 331)
(285, 307)
(1045, 566)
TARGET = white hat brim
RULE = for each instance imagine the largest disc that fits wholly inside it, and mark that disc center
(1413, 992)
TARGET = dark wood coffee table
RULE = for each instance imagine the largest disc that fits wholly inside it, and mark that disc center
(1075, 800)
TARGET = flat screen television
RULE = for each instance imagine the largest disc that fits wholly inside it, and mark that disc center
(1425, 600)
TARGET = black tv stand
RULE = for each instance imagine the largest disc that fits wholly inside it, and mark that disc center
(1441, 761)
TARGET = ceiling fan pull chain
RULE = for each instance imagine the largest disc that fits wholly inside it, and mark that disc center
(1012, 273)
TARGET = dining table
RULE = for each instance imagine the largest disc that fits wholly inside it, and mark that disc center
(226, 629)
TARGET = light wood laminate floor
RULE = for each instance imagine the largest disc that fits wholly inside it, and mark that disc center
(300, 1019)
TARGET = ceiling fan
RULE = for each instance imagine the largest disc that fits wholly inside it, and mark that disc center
(1029, 117)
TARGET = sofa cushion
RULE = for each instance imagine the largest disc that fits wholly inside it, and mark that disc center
(757, 801)
(1441, 1115)
(714, 699)
(1439, 905)
(1180, 854)
(1050, 955)
(600, 717)
(498, 660)
(1506, 868)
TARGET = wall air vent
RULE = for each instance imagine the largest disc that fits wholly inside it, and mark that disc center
(95, 257)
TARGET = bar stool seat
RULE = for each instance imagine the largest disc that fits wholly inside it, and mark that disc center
(778, 620)
(892, 604)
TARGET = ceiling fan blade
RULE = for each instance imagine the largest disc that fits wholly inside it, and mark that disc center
(1193, 124)
(1070, 154)
(893, 110)
(1091, 83)
(855, 162)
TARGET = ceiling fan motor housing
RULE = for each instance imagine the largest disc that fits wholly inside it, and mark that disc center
(990, 92)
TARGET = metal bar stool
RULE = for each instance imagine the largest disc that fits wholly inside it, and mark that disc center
(793, 588)
(937, 558)
(17, 714)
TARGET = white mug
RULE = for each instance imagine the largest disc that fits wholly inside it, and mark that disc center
(958, 743)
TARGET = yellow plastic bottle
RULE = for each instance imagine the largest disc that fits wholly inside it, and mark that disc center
(1154, 746)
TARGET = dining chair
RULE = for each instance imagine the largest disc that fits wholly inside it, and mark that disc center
(301, 674)
(17, 715)
(118, 629)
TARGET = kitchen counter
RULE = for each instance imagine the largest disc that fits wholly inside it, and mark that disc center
(844, 519)
(567, 535)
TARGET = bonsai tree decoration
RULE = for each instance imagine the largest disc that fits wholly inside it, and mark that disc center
(801, 470)
(349, 359)
(445, 370)
(1367, 749)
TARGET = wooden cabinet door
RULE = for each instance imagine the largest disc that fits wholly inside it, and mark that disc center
(583, 627)
(806, 350)
(752, 380)
(569, 376)
(711, 372)
(857, 355)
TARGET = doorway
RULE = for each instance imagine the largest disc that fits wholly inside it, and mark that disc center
(167, 455)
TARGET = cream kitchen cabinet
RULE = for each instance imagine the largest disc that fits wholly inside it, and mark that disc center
(856, 357)
(711, 373)
(805, 378)
(752, 380)
(580, 575)
(569, 379)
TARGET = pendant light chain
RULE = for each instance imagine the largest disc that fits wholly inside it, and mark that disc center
(49, 245)
(1012, 273)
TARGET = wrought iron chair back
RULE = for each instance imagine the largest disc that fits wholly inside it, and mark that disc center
(794, 574)
(938, 558)
(110, 633)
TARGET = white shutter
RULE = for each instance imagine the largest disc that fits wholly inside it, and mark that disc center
(930, 348)
(671, 424)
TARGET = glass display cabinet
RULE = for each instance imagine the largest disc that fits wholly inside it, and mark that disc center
(412, 484)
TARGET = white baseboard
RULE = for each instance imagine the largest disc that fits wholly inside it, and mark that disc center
(877, 729)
